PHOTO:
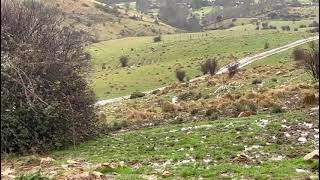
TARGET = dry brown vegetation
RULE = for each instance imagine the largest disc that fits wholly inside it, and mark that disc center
(226, 102)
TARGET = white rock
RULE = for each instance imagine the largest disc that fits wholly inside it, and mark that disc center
(174, 99)
(301, 171)
(308, 125)
(287, 134)
(277, 158)
(313, 155)
(302, 139)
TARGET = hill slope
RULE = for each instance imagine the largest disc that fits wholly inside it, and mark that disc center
(106, 23)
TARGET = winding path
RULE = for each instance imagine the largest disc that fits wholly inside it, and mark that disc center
(242, 62)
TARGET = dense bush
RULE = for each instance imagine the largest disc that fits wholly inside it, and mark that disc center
(265, 25)
(302, 26)
(314, 30)
(157, 39)
(232, 69)
(124, 60)
(45, 100)
(272, 27)
(180, 75)
(314, 24)
(285, 28)
(309, 59)
(209, 67)
(137, 95)
(266, 45)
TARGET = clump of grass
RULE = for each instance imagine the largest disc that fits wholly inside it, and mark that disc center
(32, 176)
(302, 26)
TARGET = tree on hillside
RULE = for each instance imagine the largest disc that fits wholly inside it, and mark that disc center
(45, 100)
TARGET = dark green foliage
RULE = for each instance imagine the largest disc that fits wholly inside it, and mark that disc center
(266, 45)
(285, 28)
(314, 30)
(124, 60)
(180, 75)
(257, 81)
(265, 25)
(209, 67)
(157, 39)
(302, 26)
(232, 69)
(45, 100)
(137, 95)
(276, 109)
(314, 24)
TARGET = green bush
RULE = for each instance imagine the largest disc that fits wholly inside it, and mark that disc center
(302, 26)
(180, 75)
(276, 109)
(45, 100)
(314, 24)
(137, 95)
(124, 60)
(157, 39)
(266, 45)
(233, 69)
(285, 28)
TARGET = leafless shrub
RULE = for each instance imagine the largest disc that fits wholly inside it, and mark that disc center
(308, 58)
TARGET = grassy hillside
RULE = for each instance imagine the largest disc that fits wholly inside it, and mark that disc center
(269, 142)
(85, 15)
(246, 148)
(153, 64)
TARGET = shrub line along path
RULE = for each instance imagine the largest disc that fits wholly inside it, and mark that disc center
(242, 62)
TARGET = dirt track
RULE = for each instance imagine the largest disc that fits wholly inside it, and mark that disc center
(242, 62)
